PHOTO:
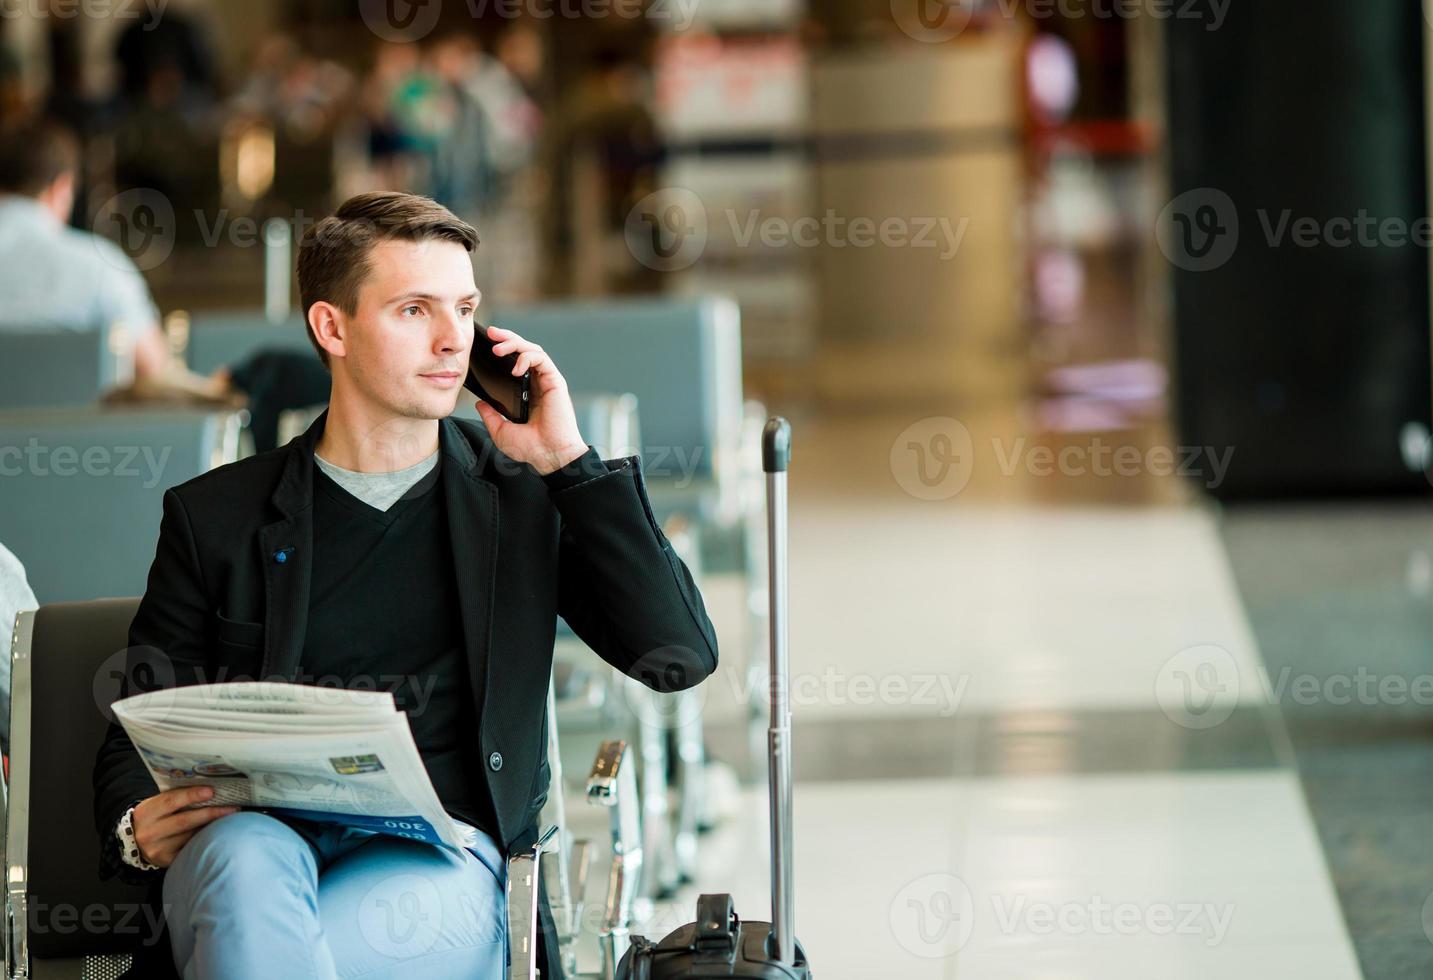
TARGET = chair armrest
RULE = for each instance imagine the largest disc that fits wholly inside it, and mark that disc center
(17, 803)
(613, 784)
(523, 871)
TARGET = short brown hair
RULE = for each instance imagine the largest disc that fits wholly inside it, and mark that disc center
(34, 154)
(333, 256)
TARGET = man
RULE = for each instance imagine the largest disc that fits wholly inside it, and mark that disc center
(55, 277)
(391, 541)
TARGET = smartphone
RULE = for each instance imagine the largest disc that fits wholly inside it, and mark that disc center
(490, 377)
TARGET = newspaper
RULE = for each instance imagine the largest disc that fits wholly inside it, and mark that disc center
(317, 753)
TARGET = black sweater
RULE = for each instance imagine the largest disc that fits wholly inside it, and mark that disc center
(384, 615)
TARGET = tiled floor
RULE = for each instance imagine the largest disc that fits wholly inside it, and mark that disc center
(1034, 742)
(1338, 596)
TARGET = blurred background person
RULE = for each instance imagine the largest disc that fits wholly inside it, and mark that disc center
(55, 277)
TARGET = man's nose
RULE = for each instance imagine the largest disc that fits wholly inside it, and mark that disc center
(453, 334)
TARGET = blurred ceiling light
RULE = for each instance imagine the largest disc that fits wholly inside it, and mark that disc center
(254, 162)
(1054, 77)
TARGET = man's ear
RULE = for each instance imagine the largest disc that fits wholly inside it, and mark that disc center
(329, 327)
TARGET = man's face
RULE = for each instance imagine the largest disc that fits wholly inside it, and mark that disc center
(406, 348)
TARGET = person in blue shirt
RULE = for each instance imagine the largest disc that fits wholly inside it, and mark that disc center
(53, 276)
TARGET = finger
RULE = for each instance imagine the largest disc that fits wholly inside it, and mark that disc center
(498, 333)
(164, 852)
(529, 361)
(159, 844)
(186, 821)
(516, 344)
(169, 801)
(494, 421)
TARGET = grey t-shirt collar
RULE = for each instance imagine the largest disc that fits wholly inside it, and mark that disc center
(378, 490)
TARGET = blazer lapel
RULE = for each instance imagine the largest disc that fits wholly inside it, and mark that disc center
(286, 556)
(472, 503)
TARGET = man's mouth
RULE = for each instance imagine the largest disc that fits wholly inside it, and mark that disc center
(443, 379)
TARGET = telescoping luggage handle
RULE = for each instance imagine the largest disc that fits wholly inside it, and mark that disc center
(775, 457)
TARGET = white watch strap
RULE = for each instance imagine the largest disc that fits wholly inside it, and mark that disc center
(128, 849)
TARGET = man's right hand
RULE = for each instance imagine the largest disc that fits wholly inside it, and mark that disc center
(162, 826)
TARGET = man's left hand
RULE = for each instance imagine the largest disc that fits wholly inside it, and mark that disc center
(550, 439)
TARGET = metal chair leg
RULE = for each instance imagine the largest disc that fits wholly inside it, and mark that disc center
(691, 782)
(658, 832)
(523, 926)
(613, 784)
(557, 873)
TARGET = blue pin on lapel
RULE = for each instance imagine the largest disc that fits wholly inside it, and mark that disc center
(282, 555)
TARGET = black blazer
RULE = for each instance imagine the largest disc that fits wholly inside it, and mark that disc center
(222, 605)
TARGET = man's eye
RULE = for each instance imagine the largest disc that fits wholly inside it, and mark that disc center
(414, 310)
(465, 311)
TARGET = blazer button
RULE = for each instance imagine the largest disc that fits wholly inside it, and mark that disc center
(495, 761)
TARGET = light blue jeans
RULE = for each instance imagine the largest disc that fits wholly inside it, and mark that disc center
(254, 896)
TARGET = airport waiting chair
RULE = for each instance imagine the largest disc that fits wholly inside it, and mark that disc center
(228, 337)
(611, 784)
(49, 368)
(83, 490)
(681, 358)
(62, 922)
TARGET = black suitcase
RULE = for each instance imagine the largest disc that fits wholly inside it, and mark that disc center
(719, 945)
